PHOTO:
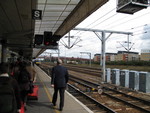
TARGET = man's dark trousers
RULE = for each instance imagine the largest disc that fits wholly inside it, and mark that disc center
(61, 93)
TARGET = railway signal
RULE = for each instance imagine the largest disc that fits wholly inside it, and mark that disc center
(47, 38)
(38, 39)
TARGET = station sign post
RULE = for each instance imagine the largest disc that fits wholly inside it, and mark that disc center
(36, 14)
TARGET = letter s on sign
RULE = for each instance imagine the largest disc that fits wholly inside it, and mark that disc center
(37, 14)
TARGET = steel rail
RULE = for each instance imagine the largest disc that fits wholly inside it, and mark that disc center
(107, 88)
(131, 104)
(109, 110)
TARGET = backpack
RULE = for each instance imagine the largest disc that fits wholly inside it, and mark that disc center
(24, 76)
(7, 97)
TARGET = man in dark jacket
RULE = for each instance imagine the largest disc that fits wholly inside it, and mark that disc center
(5, 77)
(24, 82)
(59, 81)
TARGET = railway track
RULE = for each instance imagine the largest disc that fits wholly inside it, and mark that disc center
(90, 102)
(128, 103)
(88, 70)
(118, 100)
(93, 71)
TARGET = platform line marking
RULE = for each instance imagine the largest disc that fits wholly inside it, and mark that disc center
(48, 94)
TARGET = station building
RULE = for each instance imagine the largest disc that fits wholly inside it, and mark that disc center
(120, 56)
(127, 56)
(145, 55)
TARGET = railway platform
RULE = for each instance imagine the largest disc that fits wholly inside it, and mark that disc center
(44, 102)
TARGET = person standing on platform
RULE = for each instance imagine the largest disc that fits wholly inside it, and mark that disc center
(10, 100)
(24, 82)
(32, 71)
(59, 79)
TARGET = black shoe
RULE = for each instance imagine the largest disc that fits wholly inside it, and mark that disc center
(60, 109)
(25, 108)
(54, 104)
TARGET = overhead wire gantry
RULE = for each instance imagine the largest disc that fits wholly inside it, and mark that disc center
(103, 39)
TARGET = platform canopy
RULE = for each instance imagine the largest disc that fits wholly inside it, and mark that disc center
(18, 27)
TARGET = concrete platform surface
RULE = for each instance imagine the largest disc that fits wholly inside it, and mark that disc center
(44, 105)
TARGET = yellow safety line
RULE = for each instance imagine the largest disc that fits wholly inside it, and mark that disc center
(48, 94)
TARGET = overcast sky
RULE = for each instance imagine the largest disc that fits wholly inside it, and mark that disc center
(106, 18)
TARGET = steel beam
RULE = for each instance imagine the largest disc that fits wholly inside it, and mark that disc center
(103, 39)
(106, 31)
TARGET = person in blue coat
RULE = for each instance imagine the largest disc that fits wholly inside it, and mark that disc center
(59, 79)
